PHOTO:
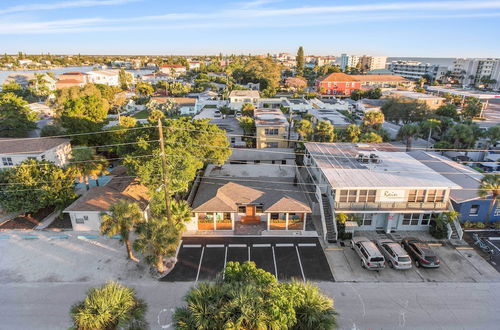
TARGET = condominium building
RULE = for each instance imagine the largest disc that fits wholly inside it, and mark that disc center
(477, 72)
(271, 128)
(377, 185)
(348, 61)
(416, 70)
(369, 63)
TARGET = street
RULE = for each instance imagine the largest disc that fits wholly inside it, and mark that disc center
(360, 305)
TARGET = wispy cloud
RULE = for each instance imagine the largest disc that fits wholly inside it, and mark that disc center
(267, 17)
(256, 3)
(63, 5)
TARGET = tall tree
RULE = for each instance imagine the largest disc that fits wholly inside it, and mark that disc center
(300, 61)
(324, 132)
(88, 165)
(373, 119)
(472, 108)
(304, 128)
(122, 217)
(16, 118)
(430, 125)
(34, 185)
(462, 136)
(352, 133)
(447, 110)
(370, 137)
(396, 110)
(408, 132)
(111, 306)
(490, 185)
(125, 79)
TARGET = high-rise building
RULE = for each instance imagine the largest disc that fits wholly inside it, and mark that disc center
(348, 61)
(478, 72)
(369, 63)
(417, 70)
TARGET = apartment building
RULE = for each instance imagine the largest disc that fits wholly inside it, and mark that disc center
(105, 77)
(341, 84)
(348, 61)
(416, 70)
(382, 187)
(369, 63)
(477, 72)
(237, 98)
(174, 70)
(271, 128)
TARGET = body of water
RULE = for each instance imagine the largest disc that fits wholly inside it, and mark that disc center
(58, 71)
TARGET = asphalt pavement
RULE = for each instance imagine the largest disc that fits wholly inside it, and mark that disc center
(43, 306)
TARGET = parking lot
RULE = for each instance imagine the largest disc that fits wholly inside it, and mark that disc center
(492, 238)
(462, 264)
(202, 258)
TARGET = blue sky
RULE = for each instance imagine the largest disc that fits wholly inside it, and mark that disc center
(424, 28)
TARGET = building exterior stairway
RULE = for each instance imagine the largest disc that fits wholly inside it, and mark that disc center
(331, 235)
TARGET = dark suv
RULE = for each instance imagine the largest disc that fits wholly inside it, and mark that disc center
(420, 252)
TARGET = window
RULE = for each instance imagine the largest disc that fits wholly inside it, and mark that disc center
(275, 216)
(431, 195)
(271, 144)
(242, 209)
(474, 210)
(7, 161)
(259, 209)
(416, 196)
(81, 219)
(366, 196)
(411, 219)
(256, 161)
(420, 196)
(367, 219)
(343, 196)
(43, 157)
(283, 162)
(497, 212)
(425, 219)
(271, 131)
(233, 140)
(371, 196)
(227, 216)
(440, 196)
(352, 195)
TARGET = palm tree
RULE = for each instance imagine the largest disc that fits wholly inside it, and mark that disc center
(157, 239)
(315, 311)
(490, 185)
(181, 213)
(430, 125)
(111, 306)
(122, 217)
(324, 132)
(462, 135)
(408, 132)
(88, 165)
(304, 128)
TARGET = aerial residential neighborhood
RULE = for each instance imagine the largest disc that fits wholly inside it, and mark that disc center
(249, 165)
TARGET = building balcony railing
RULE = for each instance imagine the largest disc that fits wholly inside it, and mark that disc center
(390, 206)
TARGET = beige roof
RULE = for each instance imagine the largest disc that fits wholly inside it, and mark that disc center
(120, 187)
(29, 146)
(177, 100)
(245, 93)
(225, 194)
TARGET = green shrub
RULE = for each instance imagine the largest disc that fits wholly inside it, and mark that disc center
(497, 225)
(480, 225)
(467, 224)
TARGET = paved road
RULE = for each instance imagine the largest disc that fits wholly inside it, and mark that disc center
(492, 114)
(360, 305)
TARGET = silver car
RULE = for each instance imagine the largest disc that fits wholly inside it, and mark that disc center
(395, 255)
(371, 257)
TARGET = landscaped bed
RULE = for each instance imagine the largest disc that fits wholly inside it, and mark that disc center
(143, 114)
(61, 222)
(27, 222)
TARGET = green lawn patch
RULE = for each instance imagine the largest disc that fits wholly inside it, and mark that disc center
(143, 114)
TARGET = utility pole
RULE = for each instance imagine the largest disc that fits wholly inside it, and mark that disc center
(164, 171)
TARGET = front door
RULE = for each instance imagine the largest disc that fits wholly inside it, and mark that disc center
(250, 212)
(250, 217)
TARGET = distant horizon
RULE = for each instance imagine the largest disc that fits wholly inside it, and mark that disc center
(422, 28)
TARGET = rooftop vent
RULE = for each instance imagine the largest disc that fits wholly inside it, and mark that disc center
(374, 159)
(363, 158)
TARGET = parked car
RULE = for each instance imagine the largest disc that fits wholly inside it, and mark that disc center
(421, 253)
(394, 254)
(371, 257)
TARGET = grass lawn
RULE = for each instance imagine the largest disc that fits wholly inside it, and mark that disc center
(143, 114)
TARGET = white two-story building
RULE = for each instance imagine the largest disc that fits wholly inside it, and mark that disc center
(377, 184)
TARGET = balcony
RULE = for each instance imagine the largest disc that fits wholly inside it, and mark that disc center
(390, 206)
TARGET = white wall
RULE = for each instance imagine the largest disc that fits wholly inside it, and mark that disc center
(92, 223)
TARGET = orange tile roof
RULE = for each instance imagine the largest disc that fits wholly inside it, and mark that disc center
(332, 77)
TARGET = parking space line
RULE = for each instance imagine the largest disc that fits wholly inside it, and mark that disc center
(306, 244)
(199, 266)
(261, 245)
(178, 249)
(237, 245)
(300, 264)
(275, 267)
(494, 238)
(214, 245)
(225, 260)
(192, 246)
(496, 247)
(284, 244)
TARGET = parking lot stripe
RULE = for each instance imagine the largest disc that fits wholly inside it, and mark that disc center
(191, 246)
(284, 244)
(306, 244)
(199, 265)
(496, 247)
(214, 245)
(494, 238)
(261, 245)
(225, 260)
(275, 268)
(300, 264)
(237, 245)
